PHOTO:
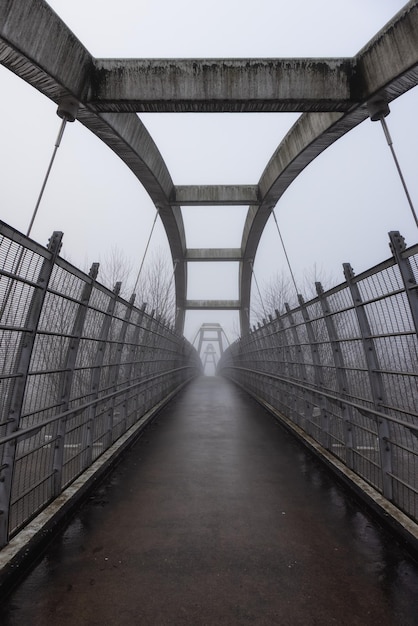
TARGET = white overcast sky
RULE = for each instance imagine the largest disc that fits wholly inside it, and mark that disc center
(340, 209)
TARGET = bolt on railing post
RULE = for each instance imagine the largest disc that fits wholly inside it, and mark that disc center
(340, 373)
(21, 369)
(68, 375)
(375, 380)
(397, 246)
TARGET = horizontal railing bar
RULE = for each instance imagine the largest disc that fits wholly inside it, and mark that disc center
(31, 488)
(405, 448)
(402, 482)
(24, 433)
(336, 399)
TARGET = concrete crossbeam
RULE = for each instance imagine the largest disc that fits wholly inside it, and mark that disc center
(222, 85)
(213, 305)
(213, 254)
(215, 195)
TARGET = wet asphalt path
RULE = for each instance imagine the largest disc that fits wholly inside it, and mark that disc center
(218, 517)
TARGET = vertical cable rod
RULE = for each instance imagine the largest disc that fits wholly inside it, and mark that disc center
(41, 193)
(65, 117)
(398, 167)
(285, 253)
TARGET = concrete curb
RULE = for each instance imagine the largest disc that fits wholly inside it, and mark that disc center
(392, 517)
(25, 548)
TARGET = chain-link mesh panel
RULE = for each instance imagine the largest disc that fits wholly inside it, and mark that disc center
(344, 368)
(95, 366)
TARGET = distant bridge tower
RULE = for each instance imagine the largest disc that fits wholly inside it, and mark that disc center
(209, 356)
(210, 333)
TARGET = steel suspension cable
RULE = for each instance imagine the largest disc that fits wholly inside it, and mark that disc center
(19, 259)
(398, 167)
(41, 193)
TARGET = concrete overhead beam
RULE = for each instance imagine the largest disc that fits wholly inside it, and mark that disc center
(221, 85)
(213, 305)
(215, 195)
(387, 65)
(213, 254)
(37, 46)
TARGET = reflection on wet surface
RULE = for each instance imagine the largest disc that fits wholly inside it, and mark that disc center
(218, 516)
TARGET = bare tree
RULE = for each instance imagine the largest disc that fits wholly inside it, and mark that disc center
(280, 289)
(117, 267)
(156, 286)
(273, 295)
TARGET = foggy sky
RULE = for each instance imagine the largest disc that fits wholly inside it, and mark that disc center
(340, 208)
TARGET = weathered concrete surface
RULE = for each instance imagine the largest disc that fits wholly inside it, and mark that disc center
(213, 195)
(212, 305)
(388, 63)
(42, 50)
(222, 85)
(213, 254)
(217, 516)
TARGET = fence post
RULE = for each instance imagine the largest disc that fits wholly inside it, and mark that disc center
(131, 369)
(149, 357)
(115, 366)
(283, 365)
(375, 380)
(340, 374)
(96, 373)
(301, 370)
(397, 246)
(68, 375)
(324, 421)
(21, 371)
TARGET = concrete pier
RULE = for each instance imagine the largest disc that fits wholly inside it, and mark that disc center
(217, 516)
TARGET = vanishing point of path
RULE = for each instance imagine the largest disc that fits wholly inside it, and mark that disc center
(216, 516)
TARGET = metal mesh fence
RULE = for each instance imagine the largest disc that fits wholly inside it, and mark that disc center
(79, 366)
(344, 368)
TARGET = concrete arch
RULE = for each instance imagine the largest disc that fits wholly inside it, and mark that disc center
(331, 93)
(386, 67)
(39, 48)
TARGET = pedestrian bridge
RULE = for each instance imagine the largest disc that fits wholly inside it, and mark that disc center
(221, 511)
(216, 515)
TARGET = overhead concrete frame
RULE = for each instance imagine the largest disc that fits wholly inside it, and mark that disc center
(331, 94)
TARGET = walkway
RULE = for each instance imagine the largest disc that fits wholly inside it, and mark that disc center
(218, 517)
